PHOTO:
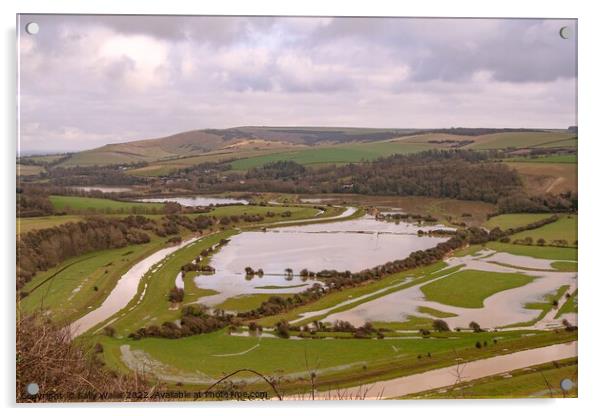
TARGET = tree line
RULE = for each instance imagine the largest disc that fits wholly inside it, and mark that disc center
(39, 250)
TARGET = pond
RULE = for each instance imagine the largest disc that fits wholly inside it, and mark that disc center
(352, 245)
(197, 200)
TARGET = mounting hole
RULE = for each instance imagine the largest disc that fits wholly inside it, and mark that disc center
(32, 28)
(32, 389)
(566, 384)
(565, 32)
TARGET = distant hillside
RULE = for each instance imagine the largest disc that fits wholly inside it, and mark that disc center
(249, 138)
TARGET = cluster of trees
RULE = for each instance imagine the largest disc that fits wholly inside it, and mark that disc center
(176, 294)
(169, 224)
(398, 216)
(41, 249)
(33, 202)
(458, 173)
(521, 202)
(530, 226)
(95, 175)
(196, 319)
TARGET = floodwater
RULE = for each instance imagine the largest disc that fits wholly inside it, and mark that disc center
(105, 189)
(501, 309)
(197, 200)
(125, 290)
(448, 376)
(352, 245)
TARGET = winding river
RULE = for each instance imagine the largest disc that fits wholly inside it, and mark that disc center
(124, 291)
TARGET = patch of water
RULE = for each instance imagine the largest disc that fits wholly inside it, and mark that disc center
(197, 200)
(352, 245)
(124, 291)
(500, 309)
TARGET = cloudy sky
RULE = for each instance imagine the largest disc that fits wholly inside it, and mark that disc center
(90, 80)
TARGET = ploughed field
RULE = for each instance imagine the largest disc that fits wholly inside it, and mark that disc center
(519, 294)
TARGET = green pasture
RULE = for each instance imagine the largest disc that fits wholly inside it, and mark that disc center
(469, 288)
(85, 204)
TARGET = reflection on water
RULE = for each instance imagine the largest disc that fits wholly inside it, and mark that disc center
(448, 376)
(351, 245)
(500, 309)
(197, 200)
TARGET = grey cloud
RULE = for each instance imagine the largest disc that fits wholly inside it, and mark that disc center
(204, 72)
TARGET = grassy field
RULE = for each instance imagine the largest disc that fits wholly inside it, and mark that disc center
(245, 303)
(297, 212)
(84, 204)
(540, 381)
(550, 253)
(154, 306)
(165, 167)
(35, 223)
(80, 284)
(434, 312)
(506, 221)
(523, 140)
(469, 288)
(29, 170)
(337, 154)
(545, 159)
(563, 229)
(542, 178)
(569, 306)
(340, 361)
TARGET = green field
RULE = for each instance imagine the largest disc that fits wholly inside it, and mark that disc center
(245, 303)
(25, 225)
(84, 204)
(339, 154)
(344, 361)
(506, 221)
(550, 253)
(29, 170)
(540, 381)
(524, 140)
(154, 307)
(546, 159)
(67, 291)
(297, 212)
(563, 229)
(469, 288)
(570, 306)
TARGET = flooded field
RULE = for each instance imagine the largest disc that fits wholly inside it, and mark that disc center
(444, 377)
(105, 189)
(503, 308)
(351, 245)
(125, 290)
(197, 200)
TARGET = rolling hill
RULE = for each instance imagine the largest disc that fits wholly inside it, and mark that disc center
(183, 149)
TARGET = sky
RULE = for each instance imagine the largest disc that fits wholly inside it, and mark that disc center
(85, 81)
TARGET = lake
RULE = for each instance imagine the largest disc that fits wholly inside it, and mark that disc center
(352, 245)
